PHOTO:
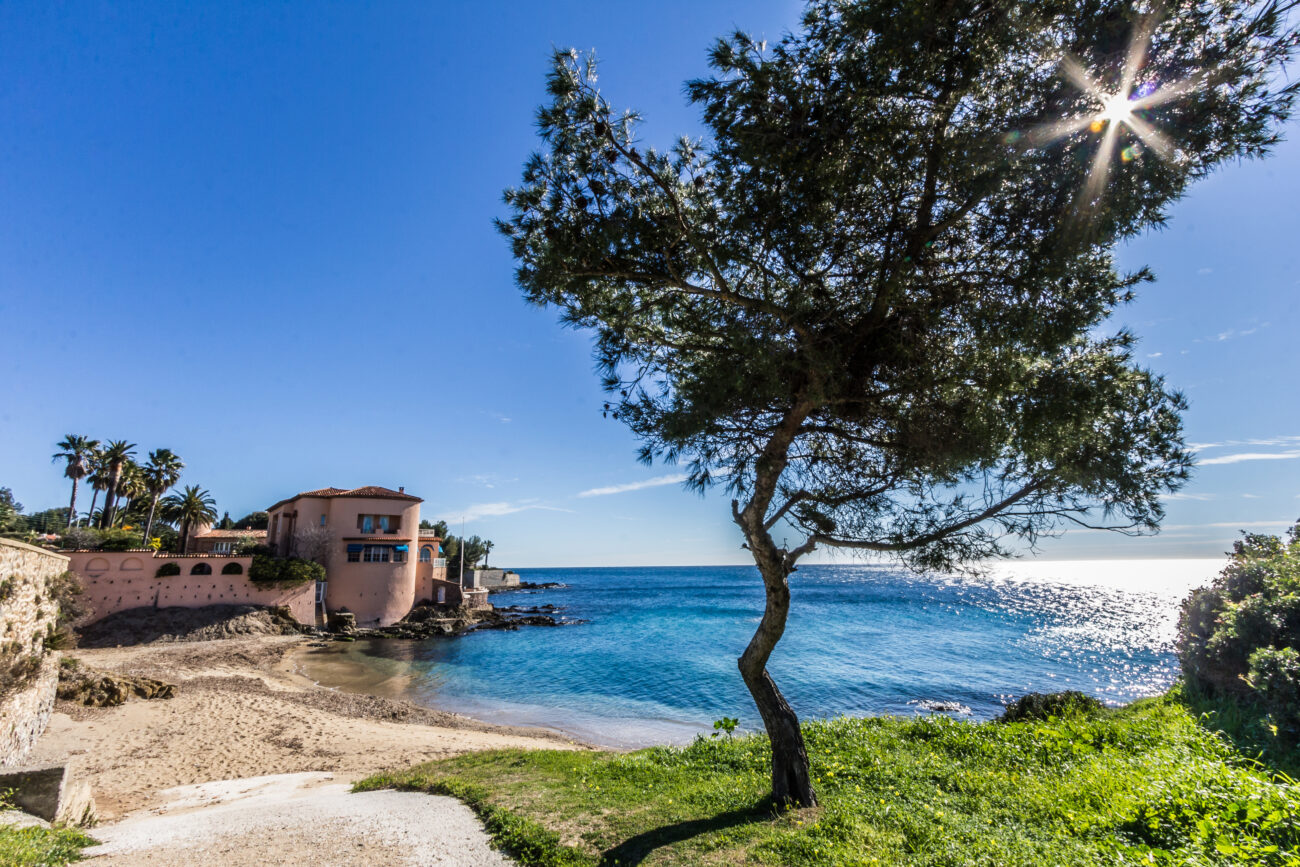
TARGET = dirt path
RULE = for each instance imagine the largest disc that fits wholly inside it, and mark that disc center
(295, 819)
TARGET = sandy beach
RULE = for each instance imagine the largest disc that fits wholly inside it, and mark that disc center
(242, 711)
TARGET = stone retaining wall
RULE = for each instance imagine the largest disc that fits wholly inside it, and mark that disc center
(28, 613)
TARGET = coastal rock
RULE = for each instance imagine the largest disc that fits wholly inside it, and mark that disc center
(941, 706)
(527, 585)
(146, 625)
(105, 689)
(342, 622)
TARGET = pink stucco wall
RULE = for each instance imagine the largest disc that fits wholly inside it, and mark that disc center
(117, 580)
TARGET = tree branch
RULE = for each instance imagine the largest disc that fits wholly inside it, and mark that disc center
(934, 536)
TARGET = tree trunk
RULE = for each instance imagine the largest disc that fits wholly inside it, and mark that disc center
(91, 513)
(791, 778)
(185, 536)
(106, 515)
(72, 504)
(148, 526)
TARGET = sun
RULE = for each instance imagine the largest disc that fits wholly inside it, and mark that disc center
(1116, 108)
(1120, 110)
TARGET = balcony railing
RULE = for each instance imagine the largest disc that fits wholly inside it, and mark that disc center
(440, 563)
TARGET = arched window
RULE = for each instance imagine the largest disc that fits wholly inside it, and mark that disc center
(232, 569)
(99, 564)
(426, 554)
(132, 564)
(201, 569)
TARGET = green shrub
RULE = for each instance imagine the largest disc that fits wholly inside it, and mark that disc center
(1053, 705)
(166, 570)
(119, 540)
(1240, 636)
(284, 571)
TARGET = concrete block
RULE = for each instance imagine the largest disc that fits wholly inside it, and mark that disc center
(53, 793)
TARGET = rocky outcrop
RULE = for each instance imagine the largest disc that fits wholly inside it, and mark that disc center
(106, 689)
(343, 622)
(445, 621)
(146, 625)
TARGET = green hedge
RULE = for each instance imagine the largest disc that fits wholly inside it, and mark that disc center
(284, 571)
(166, 570)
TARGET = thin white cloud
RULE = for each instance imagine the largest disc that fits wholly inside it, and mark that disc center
(496, 510)
(1250, 496)
(1231, 525)
(658, 481)
(1154, 354)
(1283, 441)
(1204, 270)
(1201, 498)
(1251, 456)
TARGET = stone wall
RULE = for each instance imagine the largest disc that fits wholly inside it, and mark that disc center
(27, 614)
(491, 578)
(117, 580)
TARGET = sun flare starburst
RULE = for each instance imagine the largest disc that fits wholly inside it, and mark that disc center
(1115, 110)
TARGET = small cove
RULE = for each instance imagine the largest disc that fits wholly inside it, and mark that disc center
(655, 662)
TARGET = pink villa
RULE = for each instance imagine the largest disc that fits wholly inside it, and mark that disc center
(378, 562)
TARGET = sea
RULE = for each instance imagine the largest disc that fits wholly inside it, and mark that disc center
(648, 655)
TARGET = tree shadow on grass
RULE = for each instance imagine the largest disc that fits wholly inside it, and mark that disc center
(634, 850)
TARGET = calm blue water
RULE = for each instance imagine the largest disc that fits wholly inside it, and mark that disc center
(656, 662)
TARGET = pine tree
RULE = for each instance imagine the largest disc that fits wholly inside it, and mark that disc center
(870, 303)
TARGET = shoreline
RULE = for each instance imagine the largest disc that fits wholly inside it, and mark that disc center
(241, 710)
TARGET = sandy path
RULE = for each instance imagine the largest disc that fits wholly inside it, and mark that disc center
(296, 819)
(240, 712)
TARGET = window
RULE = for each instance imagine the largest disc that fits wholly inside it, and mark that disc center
(399, 556)
(232, 569)
(426, 554)
(201, 569)
(354, 556)
(322, 520)
(223, 547)
(377, 554)
(387, 524)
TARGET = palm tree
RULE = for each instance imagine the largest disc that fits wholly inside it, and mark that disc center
(130, 490)
(487, 549)
(78, 451)
(190, 507)
(98, 480)
(116, 453)
(162, 471)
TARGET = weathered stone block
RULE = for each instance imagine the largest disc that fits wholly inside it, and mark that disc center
(53, 793)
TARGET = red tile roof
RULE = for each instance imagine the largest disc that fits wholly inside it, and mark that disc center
(374, 491)
(230, 534)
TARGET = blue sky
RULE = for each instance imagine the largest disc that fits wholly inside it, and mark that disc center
(260, 235)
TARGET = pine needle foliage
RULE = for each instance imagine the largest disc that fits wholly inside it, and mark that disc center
(872, 301)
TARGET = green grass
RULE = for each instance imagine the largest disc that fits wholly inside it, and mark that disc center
(40, 846)
(1146, 784)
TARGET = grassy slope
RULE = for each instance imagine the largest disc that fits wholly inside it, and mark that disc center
(1145, 784)
(39, 846)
